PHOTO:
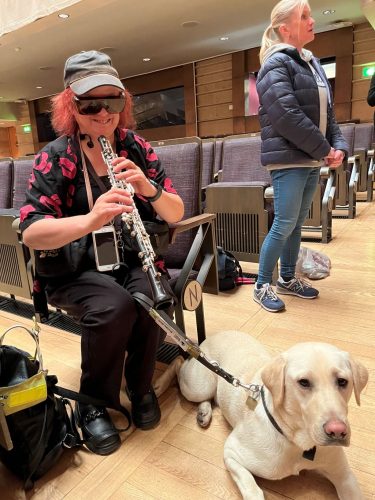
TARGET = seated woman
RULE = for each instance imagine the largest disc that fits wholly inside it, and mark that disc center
(70, 196)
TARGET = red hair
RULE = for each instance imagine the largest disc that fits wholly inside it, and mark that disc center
(63, 108)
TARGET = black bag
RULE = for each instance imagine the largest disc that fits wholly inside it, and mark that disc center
(229, 269)
(35, 424)
(159, 237)
(36, 418)
(63, 261)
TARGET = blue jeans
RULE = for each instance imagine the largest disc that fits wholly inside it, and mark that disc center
(294, 190)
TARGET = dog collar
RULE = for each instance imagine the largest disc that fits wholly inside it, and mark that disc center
(308, 454)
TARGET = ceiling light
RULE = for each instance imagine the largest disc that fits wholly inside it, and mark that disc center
(38, 87)
(328, 11)
(146, 59)
(190, 24)
(17, 49)
(63, 16)
(45, 68)
(224, 38)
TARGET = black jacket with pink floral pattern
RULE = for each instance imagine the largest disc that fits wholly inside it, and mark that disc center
(57, 172)
(57, 180)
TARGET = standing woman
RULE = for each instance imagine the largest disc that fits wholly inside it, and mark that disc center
(299, 135)
(70, 196)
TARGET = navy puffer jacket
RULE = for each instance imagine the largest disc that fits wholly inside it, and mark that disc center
(289, 111)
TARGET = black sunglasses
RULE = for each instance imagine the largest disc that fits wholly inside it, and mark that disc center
(93, 105)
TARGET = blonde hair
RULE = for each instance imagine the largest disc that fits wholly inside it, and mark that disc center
(280, 15)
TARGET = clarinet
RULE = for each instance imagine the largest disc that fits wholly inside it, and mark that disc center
(133, 221)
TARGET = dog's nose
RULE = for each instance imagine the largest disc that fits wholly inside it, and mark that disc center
(335, 429)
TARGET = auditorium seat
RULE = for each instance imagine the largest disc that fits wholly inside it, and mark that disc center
(363, 147)
(16, 271)
(238, 199)
(347, 177)
(191, 258)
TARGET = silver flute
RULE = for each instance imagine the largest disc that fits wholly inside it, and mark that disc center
(133, 221)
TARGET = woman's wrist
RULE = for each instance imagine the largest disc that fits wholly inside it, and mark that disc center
(158, 190)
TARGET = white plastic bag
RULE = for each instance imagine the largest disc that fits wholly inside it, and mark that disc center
(313, 264)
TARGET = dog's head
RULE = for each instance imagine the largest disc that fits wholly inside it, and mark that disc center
(311, 385)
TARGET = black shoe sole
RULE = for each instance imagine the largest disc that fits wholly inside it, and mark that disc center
(146, 426)
(104, 450)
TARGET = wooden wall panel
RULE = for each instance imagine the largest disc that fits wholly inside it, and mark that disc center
(4, 142)
(214, 87)
(218, 97)
(213, 83)
(239, 75)
(363, 58)
(156, 134)
(191, 128)
(217, 76)
(150, 82)
(362, 110)
(363, 54)
(360, 89)
(361, 33)
(214, 61)
(367, 45)
(216, 128)
(216, 112)
(25, 140)
(215, 67)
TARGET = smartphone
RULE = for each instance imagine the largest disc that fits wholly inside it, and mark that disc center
(105, 248)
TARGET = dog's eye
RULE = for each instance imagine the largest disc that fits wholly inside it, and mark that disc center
(304, 382)
(342, 382)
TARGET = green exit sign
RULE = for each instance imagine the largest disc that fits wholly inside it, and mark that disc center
(368, 71)
(26, 128)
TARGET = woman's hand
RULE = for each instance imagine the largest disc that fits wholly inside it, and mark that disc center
(334, 158)
(128, 171)
(114, 202)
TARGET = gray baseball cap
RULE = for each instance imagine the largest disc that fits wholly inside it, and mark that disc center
(87, 70)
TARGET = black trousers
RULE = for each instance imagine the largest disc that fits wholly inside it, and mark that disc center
(112, 323)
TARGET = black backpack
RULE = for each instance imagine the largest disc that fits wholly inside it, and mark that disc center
(36, 417)
(229, 269)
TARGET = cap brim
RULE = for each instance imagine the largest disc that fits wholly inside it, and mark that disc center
(91, 82)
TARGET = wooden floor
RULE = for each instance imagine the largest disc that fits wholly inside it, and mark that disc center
(178, 459)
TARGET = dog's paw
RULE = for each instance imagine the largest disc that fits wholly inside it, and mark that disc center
(204, 414)
(161, 385)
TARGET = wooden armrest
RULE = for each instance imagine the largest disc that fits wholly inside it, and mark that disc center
(16, 225)
(353, 158)
(324, 172)
(268, 193)
(370, 153)
(218, 175)
(185, 225)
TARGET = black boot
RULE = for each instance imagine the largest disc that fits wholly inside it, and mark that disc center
(97, 429)
(145, 409)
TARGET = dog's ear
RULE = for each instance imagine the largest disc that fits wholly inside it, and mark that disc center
(360, 378)
(273, 378)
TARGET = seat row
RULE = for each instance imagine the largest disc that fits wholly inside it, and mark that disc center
(234, 212)
(191, 260)
(237, 189)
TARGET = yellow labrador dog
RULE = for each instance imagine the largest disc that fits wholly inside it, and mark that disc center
(300, 421)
